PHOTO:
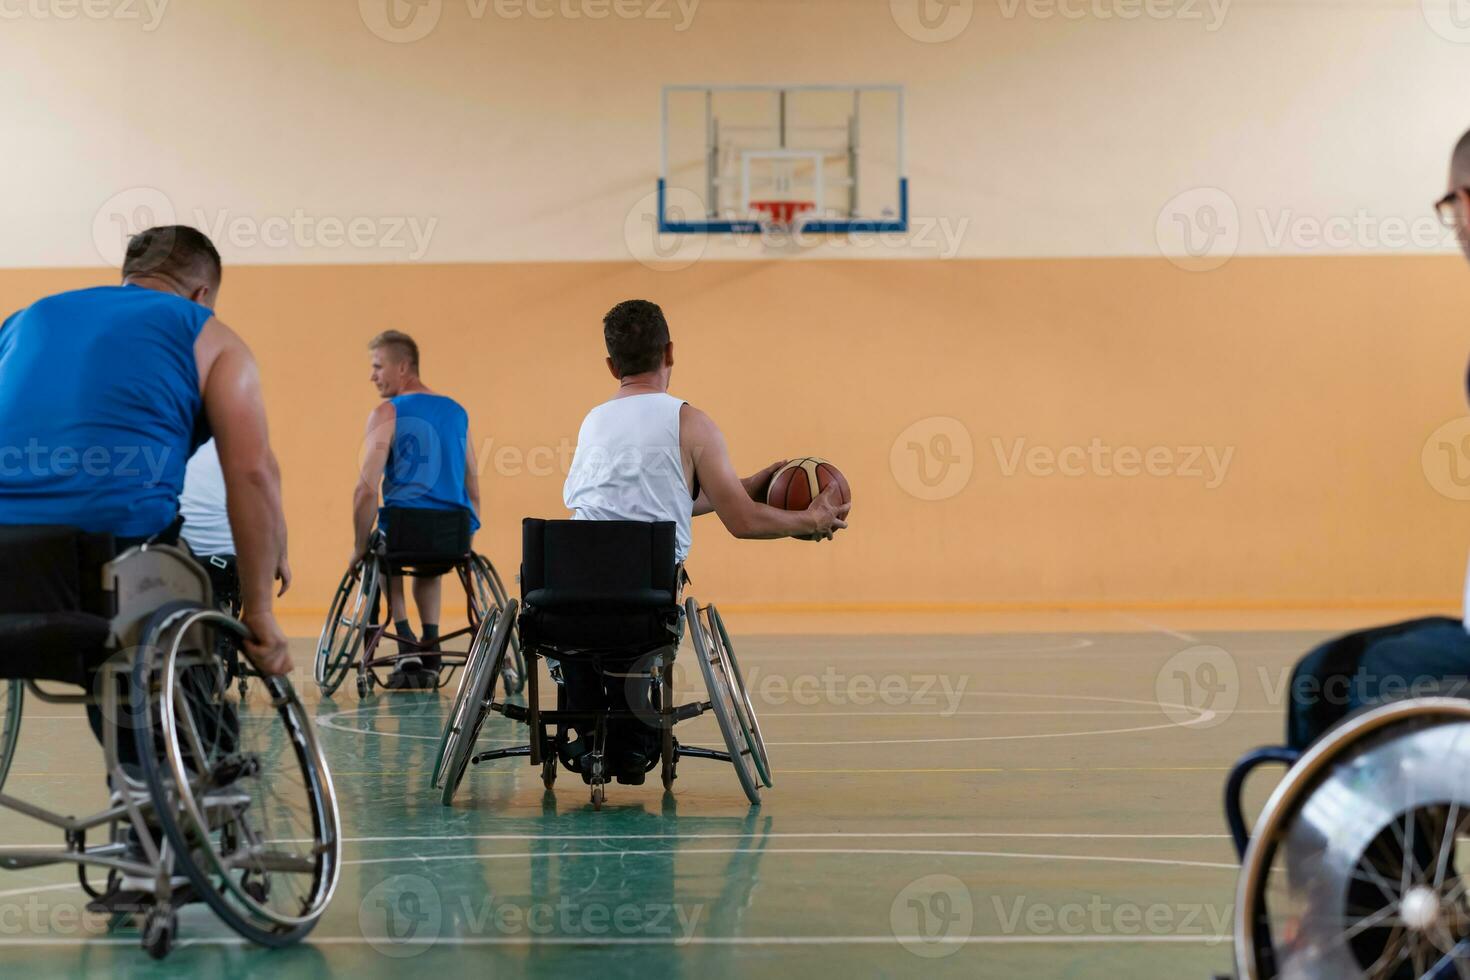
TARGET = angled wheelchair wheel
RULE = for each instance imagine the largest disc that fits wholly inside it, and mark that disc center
(12, 698)
(341, 641)
(1355, 867)
(466, 724)
(720, 684)
(744, 710)
(479, 650)
(492, 595)
(249, 808)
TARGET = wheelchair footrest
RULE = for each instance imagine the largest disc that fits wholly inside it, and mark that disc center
(691, 710)
(510, 753)
(695, 752)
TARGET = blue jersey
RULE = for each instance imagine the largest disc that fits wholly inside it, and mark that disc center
(426, 463)
(99, 409)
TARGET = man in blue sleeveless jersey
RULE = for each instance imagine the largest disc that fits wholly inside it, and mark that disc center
(418, 449)
(106, 392)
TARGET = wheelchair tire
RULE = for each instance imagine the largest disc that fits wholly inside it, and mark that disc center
(740, 694)
(481, 692)
(12, 701)
(479, 649)
(718, 682)
(494, 596)
(1358, 886)
(217, 783)
(353, 608)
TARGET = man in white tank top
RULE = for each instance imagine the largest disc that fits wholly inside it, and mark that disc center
(648, 456)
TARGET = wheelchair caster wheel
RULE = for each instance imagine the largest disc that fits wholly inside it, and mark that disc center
(244, 690)
(599, 795)
(160, 928)
(669, 776)
(364, 685)
(548, 771)
(257, 890)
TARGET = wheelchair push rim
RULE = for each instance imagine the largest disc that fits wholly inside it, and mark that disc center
(493, 597)
(478, 649)
(717, 681)
(480, 694)
(341, 640)
(236, 859)
(744, 709)
(12, 701)
(1368, 885)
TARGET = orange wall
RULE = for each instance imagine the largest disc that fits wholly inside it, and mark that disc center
(1325, 376)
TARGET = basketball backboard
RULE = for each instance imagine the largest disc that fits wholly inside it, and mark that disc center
(823, 158)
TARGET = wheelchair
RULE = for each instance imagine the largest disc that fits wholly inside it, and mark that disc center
(1354, 867)
(418, 543)
(209, 802)
(602, 600)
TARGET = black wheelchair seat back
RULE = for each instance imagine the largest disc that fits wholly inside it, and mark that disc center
(55, 616)
(598, 586)
(426, 541)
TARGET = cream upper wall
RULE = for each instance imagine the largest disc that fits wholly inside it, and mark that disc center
(1034, 132)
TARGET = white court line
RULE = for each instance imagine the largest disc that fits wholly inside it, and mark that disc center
(1156, 628)
(381, 941)
(842, 852)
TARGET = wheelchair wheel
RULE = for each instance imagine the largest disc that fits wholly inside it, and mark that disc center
(493, 596)
(480, 691)
(740, 694)
(341, 640)
(1355, 867)
(244, 797)
(479, 649)
(12, 698)
(719, 682)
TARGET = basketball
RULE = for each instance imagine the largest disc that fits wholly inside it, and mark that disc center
(796, 483)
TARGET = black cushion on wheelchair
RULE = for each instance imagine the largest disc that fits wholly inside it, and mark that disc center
(598, 585)
(54, 614)
(428, 541)
(59, 646)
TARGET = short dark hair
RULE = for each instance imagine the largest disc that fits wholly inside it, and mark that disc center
(1460, 162)
(178, 252)
(401, 344)
(636, 334)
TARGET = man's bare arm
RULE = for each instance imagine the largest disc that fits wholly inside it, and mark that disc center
(756, 485)
(701, 440)
(235, 407)
(382, 424)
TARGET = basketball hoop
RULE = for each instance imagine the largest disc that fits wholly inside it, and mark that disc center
(782, 214)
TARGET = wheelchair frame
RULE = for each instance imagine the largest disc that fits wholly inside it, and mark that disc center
(350, 636)
(728, 701)
(164, 845)
(1255, 952)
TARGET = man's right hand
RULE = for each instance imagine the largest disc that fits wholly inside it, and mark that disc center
(266, 646)
(828, 512)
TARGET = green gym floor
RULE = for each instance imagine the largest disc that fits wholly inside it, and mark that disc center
(1001, 797)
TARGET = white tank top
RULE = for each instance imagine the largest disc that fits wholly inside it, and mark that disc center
(628, 466)
(206, 521)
